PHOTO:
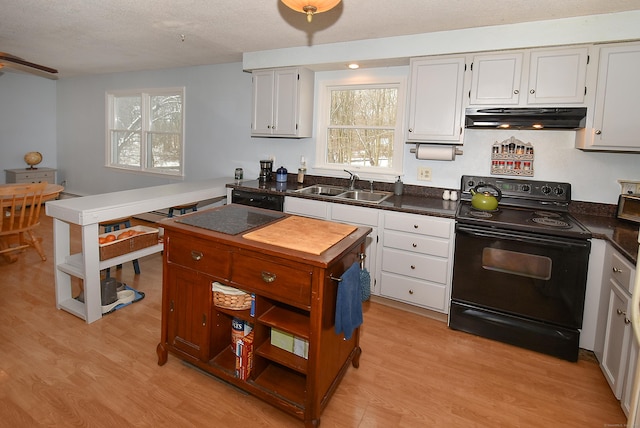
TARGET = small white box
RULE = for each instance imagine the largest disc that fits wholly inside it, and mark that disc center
(301, 347)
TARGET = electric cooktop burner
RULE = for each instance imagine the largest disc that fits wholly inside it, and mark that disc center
(551, 222)
(480, 214)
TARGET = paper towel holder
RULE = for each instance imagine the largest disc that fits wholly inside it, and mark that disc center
(456, 151)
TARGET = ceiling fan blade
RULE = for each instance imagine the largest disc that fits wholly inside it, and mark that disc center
(14, 59)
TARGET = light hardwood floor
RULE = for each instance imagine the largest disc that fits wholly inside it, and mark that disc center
(55, 370)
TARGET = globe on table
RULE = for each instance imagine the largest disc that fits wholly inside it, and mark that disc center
(33, 158)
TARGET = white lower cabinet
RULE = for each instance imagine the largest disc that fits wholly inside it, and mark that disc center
(620, 351)
(416, 265)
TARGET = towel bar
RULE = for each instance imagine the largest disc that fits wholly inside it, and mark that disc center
(362, 256)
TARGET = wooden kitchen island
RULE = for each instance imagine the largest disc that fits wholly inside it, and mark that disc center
(294, 293)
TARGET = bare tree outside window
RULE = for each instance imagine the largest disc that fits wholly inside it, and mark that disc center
(146, 131)
(362, 126)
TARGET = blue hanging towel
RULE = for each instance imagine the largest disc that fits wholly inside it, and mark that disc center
(349, 302)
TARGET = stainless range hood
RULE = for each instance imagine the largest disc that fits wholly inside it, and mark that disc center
(526, 118)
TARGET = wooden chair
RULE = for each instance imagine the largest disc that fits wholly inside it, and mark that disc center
(20, 206)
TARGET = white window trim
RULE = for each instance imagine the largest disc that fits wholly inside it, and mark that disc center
(109, 95)
(324, 89)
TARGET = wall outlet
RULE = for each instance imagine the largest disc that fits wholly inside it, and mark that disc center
(424, 173)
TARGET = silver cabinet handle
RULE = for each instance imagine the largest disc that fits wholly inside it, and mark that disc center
(516, 91)
(621, 312)
(196, 255)
(532, 91)
(598, 131)
(627, 321)
(414, 245)
(616, 270)
(413, 266)
(410, 291)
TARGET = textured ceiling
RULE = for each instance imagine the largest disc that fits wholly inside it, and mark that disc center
(82, 37)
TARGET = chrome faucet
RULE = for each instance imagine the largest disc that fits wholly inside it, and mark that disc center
(352, 179)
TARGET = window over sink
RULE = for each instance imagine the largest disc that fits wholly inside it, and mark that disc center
(145, 131)
(360, 125)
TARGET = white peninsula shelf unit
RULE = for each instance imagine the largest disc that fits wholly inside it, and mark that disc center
(88, 212)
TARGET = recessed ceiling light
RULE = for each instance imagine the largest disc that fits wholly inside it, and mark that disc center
(353, 66)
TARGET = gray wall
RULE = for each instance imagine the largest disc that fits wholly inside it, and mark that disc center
(27, 120)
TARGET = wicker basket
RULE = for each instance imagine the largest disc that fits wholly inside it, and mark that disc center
(230, 298)
(145, 237)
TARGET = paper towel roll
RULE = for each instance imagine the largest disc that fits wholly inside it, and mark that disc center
(436, 152)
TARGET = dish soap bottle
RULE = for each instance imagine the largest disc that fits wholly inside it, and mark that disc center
(398, 188)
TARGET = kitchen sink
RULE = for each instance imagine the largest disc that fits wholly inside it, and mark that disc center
(322, 190)
(337, 192)
(365, 196)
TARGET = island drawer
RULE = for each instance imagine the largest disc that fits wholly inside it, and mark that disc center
(199, 254)
(283, 282)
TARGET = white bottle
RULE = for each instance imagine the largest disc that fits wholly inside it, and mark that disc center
(453, 196)
(446, 195)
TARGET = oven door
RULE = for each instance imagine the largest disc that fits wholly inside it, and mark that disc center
(542, 278)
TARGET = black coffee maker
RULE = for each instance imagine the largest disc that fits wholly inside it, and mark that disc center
(266, 170)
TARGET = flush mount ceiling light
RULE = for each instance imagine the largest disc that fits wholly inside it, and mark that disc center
(311, 7)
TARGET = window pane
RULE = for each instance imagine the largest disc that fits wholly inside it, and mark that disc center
(364, 107)
(126, 148)
(360, 147)
(166, 151)
(166, 113)
(128, 113)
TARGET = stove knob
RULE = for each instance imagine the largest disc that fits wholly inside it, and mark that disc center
(525, 188)
(559, 191)
(546, 190)
(471, 184)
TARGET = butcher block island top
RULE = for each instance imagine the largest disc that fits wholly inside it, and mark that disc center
(286, 351)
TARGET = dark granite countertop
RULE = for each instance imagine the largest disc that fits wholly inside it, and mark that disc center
(598, 218)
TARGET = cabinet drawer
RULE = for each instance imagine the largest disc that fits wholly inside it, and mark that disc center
(306, 207)
(413, 223)
(417, 243)
(622, 272)
(415, 265)
(288, 284)
(199, 254)
(414, 291)
(354, 215)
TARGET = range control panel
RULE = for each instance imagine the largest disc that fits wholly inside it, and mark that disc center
(519, 189)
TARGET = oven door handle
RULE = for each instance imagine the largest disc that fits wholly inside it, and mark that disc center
(513, 235)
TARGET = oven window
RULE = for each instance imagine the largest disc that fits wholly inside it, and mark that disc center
(522, 264)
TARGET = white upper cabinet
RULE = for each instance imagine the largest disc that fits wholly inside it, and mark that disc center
(557, 76)
(282, 103)
(529, 78)
(435, 99)
(495, 79)
(612, 123)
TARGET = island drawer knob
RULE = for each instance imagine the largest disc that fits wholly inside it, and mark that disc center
(268, 276)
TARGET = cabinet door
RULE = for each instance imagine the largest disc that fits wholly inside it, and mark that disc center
(188, 311)
(496, 79)
(617, 339)
(263, 99)
(615, 117)
(435, 105)
(557, 76)
(285, 109)
(632, 362)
